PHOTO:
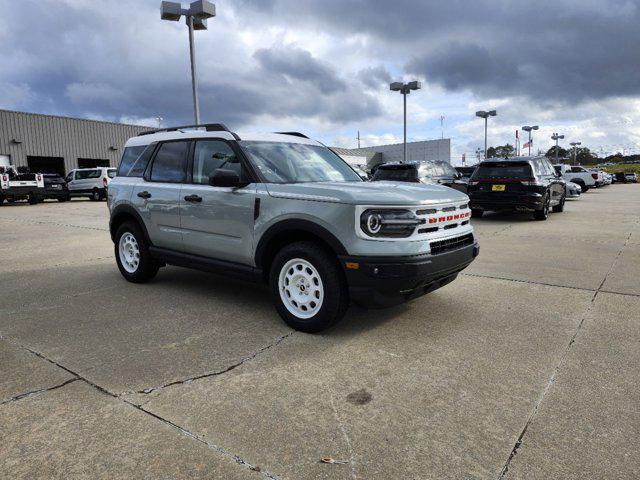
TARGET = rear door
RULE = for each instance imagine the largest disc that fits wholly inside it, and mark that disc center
(217, 222)
(157, 195)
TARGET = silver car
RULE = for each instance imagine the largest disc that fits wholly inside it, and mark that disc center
(285, 210)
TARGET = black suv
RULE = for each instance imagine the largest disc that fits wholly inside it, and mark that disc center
(55, 187)
(517, 184)
(421, 172)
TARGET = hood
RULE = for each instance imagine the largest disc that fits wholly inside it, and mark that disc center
(368, 193)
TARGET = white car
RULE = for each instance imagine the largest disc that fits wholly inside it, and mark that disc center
(573, 190)
(577, 174)
(90, 182)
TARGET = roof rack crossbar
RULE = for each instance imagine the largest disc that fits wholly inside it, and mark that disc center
(295, 134)
(209, 127)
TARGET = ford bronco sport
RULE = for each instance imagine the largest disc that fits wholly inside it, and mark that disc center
(283, 209)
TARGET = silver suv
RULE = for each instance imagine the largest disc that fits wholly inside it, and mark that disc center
(286, 210)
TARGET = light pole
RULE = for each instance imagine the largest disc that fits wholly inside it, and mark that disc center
(159, 120)
(557, 137)
(529, 129)
(575, 151)
(486, 115)
(196, 17)
(405, 89)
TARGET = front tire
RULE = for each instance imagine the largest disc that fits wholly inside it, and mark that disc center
(95, 195)
(132, 254)
(308, 288)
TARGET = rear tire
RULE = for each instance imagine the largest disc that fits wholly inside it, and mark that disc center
(132, 254)
(476, 213)
(32, 199)
(543, 213)
(308, 287)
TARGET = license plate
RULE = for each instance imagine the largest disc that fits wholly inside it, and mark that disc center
(497, 188)
(56, 186)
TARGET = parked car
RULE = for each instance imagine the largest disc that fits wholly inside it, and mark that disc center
(600, 177)
(361, 172)
(577, 174)
(517, 184)
(466, 172)
(573, 190)
(441, 173)
(22, 185)
(631, 177)
(90, 182)
(283, 209)
(55, 187)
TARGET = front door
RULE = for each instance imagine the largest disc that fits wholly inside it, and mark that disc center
(157, 195)
(217, 222)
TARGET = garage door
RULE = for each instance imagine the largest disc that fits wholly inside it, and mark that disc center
(5, 160)
(92, 162)
(46, 165)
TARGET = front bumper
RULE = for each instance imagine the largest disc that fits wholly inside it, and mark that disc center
(505, 201)
(380, 282)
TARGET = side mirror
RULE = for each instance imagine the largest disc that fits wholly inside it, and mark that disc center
(224, 178)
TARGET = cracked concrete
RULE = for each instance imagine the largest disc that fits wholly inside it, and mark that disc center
(525, 362)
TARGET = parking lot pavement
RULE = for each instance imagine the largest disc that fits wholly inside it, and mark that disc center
(524, 367)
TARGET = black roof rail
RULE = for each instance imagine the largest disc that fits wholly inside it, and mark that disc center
(209, 127)
(295, 134)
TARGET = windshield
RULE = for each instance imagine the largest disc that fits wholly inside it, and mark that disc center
(502, 170)
(111, 173)
(448, 169)
(280, 162)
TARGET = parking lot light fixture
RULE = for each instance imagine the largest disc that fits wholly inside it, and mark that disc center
(486, 115)
(557, 137)
(575, 146)
(196, 17)
(528, 128)
(405, 89)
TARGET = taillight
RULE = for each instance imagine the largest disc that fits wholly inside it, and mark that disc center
(532, 182)
(5, 178)
(104, 182)
(595, 176)
(474, 182)
(39, 178)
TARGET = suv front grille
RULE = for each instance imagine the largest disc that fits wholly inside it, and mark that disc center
(449, 244)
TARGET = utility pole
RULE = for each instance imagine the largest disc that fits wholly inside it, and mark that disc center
(405, 89)
(556, 137)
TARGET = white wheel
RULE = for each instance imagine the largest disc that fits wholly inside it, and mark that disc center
(300, 288)
(129, 252)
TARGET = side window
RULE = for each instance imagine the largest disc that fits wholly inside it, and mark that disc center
(93, 174)
(169, 164)
(209, 155)
(129, 160)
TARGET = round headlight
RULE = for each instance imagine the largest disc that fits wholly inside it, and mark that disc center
(374, 223)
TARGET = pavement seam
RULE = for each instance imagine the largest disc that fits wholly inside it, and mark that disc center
(36, 392)
(65, 296)
(532, 282)
(561, 362)
(242, 361)
(352, 460)
(57, 224)
(235, 458)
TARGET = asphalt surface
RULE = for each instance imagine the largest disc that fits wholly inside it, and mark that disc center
(525, 367)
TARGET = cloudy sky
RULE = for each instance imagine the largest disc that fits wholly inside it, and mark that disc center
(323, 67)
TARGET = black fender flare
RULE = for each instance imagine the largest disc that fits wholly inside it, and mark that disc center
(129, 211)
(298, 225)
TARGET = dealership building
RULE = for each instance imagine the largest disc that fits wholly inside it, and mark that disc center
(433, 150)
(52, 144)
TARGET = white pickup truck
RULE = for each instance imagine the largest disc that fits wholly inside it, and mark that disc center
(579, 175)
(20, 186)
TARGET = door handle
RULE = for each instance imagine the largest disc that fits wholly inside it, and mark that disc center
(144, 194)
(193, 198)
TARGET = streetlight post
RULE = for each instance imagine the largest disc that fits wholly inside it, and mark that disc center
(486, 115)
(575, 151)
(405, 89)
(196, 17)
(557, 137)
(529, 129)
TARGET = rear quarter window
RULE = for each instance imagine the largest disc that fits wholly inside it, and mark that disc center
(134, 161)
